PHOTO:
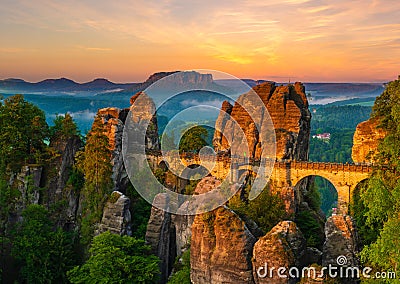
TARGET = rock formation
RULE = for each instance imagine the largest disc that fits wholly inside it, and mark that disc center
(365, 141)
(169, 235)
(185, 79)
(161, 236)
(57, 173)
(116, 215)
(283, 246)
(143, 110)
(221, 248)
(114, 121)
(27, 181)
(341, 240)
(56, 176)
(288, 108)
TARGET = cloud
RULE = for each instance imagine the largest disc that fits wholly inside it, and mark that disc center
(262, 35)
(11, 49)
(193, 102)
(83, 115)
(93, 48)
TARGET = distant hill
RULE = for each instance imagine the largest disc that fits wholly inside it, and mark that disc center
(372, 89)
(104, 87)
(60, 85)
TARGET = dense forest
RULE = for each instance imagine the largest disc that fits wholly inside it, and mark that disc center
(340, 122)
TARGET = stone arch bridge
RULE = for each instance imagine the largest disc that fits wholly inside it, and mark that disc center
(287, 173)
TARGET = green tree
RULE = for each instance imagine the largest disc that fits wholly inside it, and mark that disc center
(117, 259)
(381, 198)
(267, 209)
(8, 196)
(45, 255)
(182, 270)
(142, 210)
(95, 164)
(385, 252)
(23, 131)
(193, 139)
(64, 127)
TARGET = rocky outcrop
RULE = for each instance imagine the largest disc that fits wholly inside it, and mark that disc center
(56, 177)
(365, 141)
(283, 246)
(288, 108)
(183, 232)
(221, 248)
(170, 235)
(341, 245)
(114, 122)
(341, 241)
(183, 222)
(161, 236)
(113, 126)
(143, 111)
(27, 181)
(116, 215)
(58, 172)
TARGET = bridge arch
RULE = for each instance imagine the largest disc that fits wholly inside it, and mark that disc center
(194, 169)
(344, 177)
(327, 192)
(163, 165)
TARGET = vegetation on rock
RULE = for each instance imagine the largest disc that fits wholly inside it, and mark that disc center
(266, 210)
(117, 259)
(379, 204)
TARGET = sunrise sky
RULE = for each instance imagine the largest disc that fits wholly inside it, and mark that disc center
(125, 41)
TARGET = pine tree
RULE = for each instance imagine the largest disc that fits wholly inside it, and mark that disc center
(64, 127)
(95, 163)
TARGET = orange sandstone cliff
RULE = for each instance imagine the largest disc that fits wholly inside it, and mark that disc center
(288, 109)
(366, 140)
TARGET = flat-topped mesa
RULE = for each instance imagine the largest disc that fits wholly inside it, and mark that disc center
(366, 140)
(178, 80)
(288, 109)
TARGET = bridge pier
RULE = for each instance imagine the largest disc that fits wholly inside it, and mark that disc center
(344, 193)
